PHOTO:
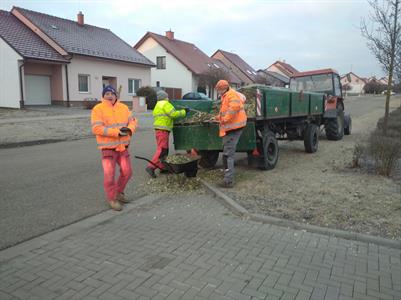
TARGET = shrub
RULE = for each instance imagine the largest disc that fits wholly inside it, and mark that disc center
(374, 87)
(385, 151)
(382, 151)
(89, 103)
(358, 154)
(150, 94)
(393, 124)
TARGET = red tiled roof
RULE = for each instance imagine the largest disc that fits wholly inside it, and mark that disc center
(25, 41)
(188, 54)
(232, 77)
(349, 73)
(84, 39)
(239, 63)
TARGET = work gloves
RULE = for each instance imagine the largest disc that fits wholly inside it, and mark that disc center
(187, 110)
(124, 131)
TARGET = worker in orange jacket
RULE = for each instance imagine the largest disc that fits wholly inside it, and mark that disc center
(232, 118)
(113, 125)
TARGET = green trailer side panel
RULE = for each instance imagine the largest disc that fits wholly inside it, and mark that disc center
(276, 103)
(316, 104)
(206, 137)
(299, 104)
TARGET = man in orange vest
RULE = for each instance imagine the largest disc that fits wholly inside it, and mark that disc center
(232, 118)
(113, 125)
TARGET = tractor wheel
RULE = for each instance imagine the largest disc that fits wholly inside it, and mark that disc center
(311, 138)
(270, 151)
(208, 158)
(347, 124)
(335, 126)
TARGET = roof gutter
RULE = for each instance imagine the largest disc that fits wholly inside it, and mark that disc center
(21, 102)
(67, 86)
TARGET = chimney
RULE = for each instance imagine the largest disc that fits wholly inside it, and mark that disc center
(80, 18)
(170, 35)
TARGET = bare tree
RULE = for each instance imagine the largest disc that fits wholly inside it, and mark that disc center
(210, 77)
(383, 36)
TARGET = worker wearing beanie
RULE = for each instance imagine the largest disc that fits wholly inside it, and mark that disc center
(113, 125)
(232, 118)
(164, 114)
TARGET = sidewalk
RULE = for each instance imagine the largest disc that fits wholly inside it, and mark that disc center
(47, 125)
(194, 248)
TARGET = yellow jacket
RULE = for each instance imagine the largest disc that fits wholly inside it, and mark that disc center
(164, 114)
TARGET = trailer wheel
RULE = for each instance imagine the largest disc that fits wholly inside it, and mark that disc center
(270, 151)
(209, 158)
(335, 126)
(348, 125)
(311, 138)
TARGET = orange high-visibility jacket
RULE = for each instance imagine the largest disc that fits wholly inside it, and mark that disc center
(107, 119)
(232, 112)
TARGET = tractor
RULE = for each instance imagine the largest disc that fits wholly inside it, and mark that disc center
(326, 81)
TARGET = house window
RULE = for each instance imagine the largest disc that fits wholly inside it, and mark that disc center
(161, 62)
(133, 85)
(83, 83)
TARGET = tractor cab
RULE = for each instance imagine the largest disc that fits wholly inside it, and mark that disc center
(325, 81)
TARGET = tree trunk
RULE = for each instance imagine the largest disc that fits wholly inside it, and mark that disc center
(388, 94)
(391, 68)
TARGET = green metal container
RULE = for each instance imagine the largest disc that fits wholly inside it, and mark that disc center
(206, 137)
(299, 104)
(316, 103)
(276, 103)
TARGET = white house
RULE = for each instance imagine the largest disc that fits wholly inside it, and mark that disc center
(179, 64)
(49, 60)
(353, 84)
(282, 68)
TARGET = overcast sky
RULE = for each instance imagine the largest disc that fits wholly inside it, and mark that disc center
(308, 34)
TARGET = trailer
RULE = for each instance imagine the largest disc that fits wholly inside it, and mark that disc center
(273, 114)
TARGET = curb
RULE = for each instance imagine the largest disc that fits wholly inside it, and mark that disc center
(31, 143)
(241, 211)
(52, 141)
(71, 229)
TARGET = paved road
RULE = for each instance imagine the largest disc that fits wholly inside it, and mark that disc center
(361, 105)
(46, 186)
(193, 248)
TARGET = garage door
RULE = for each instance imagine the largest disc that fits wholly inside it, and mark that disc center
(37, 90)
